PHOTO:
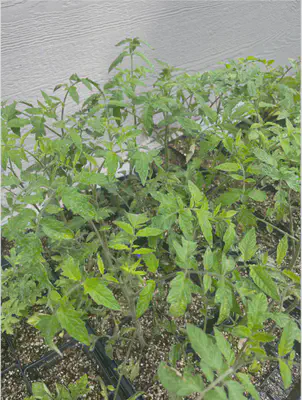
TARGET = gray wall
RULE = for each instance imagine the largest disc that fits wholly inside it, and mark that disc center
(44, 42)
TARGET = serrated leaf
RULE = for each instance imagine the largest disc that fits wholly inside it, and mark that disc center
(285, 373)
(291, 275)
(126, 227)
(136, 220)
(175, 383)
(265, 157)
(257, 195)
(78, 203)
(207, 283)
(197, 197)
(228, 167)
(225, 347)
(290, 333)
(205, 347)
(145, 298)
(257, 311)
(117, 61)
(56, 229)
(189, 125)
(143, 57)
(18, 123)
(241, 331)
(100, 263)
(142, 165)
(235, 391)
(216, 394)
(70, 320)
(152, 262)
(74, 94)
(143, 250)
(100, 293)
(112, 160)
(147, 232)
(91, 178)
(262, 279)
(229, 238)
(48, 325)
(180, 294)
(76, 138)
(205, 225)
(224, 297)
(249, 387)
(282, 249)
(248, 246)
(70, 268)
(263, 337)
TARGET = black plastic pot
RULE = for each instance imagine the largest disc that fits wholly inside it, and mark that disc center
(107, 366)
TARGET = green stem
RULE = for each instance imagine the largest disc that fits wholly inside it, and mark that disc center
(215, 383)
(103, 243)
(277, 229)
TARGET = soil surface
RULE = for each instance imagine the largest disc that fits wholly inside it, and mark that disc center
(13, 386)
(68, 369)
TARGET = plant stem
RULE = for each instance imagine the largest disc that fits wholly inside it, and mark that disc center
(126, 359)
(295, 255)
(215, 383)
(291, 225)
(106, 251)
(277, 229)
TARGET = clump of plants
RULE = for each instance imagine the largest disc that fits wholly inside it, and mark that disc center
(100, 223)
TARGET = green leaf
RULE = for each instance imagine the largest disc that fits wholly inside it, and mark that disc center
(248, 246)
(235, 391)
(151, 261)
(229, 237)
(228, 167)
(257, 195)
(70, 320)
(78, 203)
(74, 94)
(56, 229)
(224, 296)
(263, 280)
(241, 331)
(18, 123)
(205, 225)
(117, 61)
(282, 249)
(175, 383)
(91, 178)
(265, 157)
(225, 347)
(185, 220)
(111, 163)
(180, 294)
(216, 394)
(143, 250)
(205, 347)
(189, 125)
(126, 227)
(197, 197)
(290, 274)
(100, 293)
(245, 380)
(100, 263)
(263, 337)
(41, 391)
(285, 373)
(142, 165)
(70, 268)
(147, 232)
(143, 57)
(257, 311)
(136, 220)
(76, 138)
(290, 333)
(48, 325)
(207, 283)
(145, 298)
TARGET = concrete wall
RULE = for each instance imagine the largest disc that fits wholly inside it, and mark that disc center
(44, 42)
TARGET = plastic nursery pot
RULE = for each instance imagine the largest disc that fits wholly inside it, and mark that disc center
(107, 366)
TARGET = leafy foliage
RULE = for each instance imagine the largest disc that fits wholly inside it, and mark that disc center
(101, 223)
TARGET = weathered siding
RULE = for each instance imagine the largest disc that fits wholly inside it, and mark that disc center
(44, 42)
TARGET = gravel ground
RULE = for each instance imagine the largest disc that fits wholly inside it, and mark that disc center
(13, 386)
